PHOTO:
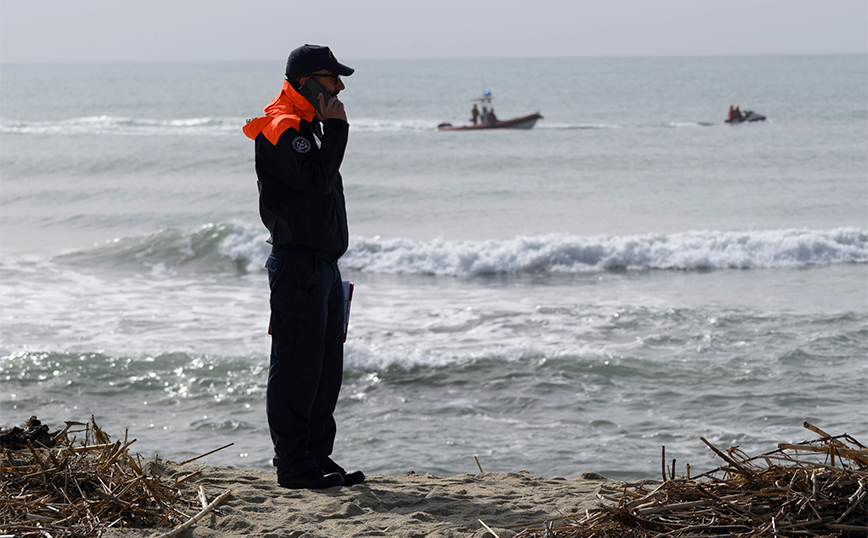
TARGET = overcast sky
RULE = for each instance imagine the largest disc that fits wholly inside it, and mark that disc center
(160, 30)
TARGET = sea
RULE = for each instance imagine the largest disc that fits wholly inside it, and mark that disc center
(599, 293)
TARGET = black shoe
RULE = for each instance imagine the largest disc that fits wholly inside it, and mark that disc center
(353, 478)
(350, 479)
(313, 479)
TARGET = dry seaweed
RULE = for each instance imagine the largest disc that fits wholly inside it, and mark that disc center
(810, 489)
(33, 430)
(53, 486)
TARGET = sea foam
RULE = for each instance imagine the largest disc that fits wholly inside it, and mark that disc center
(125, 126)
(699, 250)
(236, 246)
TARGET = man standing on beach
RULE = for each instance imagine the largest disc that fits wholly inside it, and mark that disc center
(299, 149)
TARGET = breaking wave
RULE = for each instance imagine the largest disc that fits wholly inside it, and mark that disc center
(206, 126)
(242, 247)
(702, 250)
(118, 125)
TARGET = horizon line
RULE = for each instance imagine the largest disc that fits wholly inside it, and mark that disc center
(439, 58)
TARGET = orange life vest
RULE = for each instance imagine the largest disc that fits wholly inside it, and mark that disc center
(285, 111)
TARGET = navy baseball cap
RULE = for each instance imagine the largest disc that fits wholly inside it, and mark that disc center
(308, 59)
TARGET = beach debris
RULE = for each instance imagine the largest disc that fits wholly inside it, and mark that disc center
(192, 521)
(489, 529)
(814, 488)
(475, 457)
(76, 483)
(33, 431)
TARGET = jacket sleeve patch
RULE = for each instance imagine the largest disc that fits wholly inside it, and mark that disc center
(301, 144)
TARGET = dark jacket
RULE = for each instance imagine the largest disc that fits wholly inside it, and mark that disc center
(301, 195)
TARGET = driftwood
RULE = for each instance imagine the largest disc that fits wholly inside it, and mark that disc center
(52, 487)
(192, 521)
(777, 494)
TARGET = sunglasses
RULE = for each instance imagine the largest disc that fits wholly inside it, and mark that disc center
(329, 75)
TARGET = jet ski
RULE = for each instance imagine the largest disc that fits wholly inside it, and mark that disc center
(745, 117)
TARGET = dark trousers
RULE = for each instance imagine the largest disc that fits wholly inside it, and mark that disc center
(304, 377)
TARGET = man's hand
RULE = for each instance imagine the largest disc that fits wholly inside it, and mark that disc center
(333, 109)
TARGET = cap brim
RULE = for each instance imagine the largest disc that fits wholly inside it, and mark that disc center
(340, 69)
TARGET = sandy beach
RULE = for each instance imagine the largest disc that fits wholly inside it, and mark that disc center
(93, 488)
(413, 505)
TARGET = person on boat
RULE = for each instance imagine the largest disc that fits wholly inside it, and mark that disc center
(737, 113)
(474, 114)
(299, 148)
(731, 113)
(491, 117)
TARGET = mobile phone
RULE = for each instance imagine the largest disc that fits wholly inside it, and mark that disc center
(311, 91)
